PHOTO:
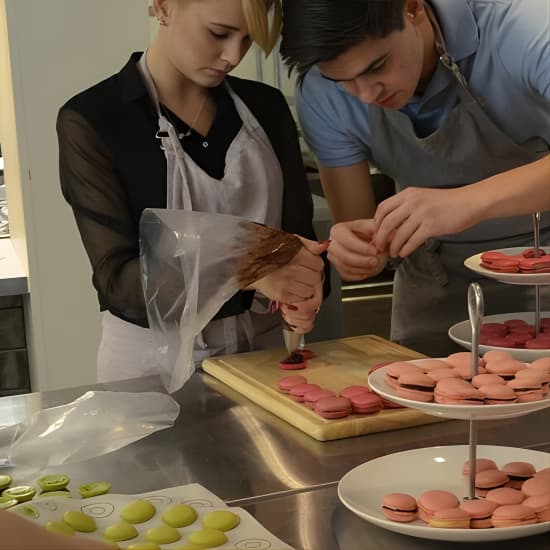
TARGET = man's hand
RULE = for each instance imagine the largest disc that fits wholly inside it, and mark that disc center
(352, 252)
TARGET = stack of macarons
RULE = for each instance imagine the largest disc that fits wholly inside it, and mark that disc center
(516, 333)
(513, 495)
(524, 262)
(355, 399)
(501, 379)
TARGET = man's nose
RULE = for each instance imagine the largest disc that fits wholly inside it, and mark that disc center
(367, 92)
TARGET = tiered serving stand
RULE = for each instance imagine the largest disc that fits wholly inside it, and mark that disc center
(361, 490)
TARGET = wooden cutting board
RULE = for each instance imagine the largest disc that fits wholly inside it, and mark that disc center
(338, 363)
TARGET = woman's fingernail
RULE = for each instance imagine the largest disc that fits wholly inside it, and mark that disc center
(291, 307)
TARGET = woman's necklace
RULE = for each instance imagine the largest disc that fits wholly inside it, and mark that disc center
(187, 133)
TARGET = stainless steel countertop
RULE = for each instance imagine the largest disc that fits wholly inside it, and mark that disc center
(249, 457)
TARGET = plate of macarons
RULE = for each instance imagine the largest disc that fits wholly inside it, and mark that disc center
(516, 265)
(512, 500)
(511, 332)
(503, 388)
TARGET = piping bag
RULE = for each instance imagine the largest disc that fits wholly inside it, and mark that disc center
(191, 264)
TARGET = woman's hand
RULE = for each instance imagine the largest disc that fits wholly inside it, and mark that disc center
(351, 250)
(301, 279)
(407, 219)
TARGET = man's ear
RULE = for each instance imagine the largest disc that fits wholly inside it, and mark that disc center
(415, 10)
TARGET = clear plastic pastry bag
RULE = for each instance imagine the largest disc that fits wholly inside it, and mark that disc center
(94, 424)
(192, 263)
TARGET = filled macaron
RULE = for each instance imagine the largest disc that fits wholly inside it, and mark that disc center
(399, 507)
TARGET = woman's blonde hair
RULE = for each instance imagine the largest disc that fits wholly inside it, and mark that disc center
(265, 19)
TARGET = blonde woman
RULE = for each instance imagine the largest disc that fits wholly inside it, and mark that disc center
(172, 129)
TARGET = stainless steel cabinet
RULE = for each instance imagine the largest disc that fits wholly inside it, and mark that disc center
(14, 365)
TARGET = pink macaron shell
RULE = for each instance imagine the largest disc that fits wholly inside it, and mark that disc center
(366, 403)
(297, 392)
(507, 369)
(350, 391)
(439, 374)
(537, 485)
(429, 364)
(541, 363)
(311, 397)
(505, 495)
(399, 507)
(544, 472)
(496, 355)
(465, 371)
(435, 499)
(481, 465)
(463, 359)
(480, 511)
(513, 514)
(526, 391)
(484, 379)
(285, 383)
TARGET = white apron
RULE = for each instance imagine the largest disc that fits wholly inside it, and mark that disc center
(252, 188)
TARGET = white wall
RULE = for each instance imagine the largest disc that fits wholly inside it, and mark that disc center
(57, 48)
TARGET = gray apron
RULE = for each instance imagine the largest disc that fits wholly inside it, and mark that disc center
(430, 285)
(251, 188)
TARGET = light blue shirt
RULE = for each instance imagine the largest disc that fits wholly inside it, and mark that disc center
(501, 46)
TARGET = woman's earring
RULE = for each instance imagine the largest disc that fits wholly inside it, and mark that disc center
(411, 15)
(162, 21)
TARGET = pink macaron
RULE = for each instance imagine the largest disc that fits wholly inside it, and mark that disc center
(542, 363)
(333, 407)
(456, 391)
(429, 364)
(439, 374)
(481, 465)
(485, 379)
(513, 514)
(463, 359)
(536, 376)
(415, 386)
(399, 507)
(451, 518)
(496, 355)
(285, 383)
(537, 485)
(518, 472)
(540, 504)
(366, 403)
(298, 391)
(431, 501)
(489, 479)
(505, 495)
(395, 370)
(480, 511)
(526, 391)
(506, 369)
(498, 394)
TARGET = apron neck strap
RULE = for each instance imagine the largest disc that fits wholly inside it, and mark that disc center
(148, 80)
(441, 50)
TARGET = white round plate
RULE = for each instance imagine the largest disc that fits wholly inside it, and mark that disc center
(474, 264)
(461, 333)
(413, 472)
(377, 381)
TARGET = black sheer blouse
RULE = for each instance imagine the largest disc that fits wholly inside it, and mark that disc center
(112, 168)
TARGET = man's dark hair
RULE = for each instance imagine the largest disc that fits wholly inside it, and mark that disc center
(321, 30)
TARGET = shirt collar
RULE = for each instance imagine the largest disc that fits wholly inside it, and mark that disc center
(458, 25)
(130, 80)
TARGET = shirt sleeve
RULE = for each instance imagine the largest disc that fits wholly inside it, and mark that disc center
(333, 125)
(525, 45)
(110, 236)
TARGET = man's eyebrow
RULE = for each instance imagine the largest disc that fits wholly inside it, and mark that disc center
(366, 70)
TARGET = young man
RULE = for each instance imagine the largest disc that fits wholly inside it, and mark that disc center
(451, 98)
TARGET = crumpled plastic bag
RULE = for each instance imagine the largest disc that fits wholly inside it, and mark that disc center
(94, 424)
(192, 263)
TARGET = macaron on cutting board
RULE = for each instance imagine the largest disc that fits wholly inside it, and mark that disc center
(364, 489)
(116, 519)
(337, 364)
